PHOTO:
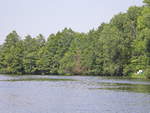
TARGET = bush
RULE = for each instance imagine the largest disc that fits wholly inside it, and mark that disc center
(147, 73)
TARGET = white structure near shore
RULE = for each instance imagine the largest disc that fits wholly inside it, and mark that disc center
(139, 72)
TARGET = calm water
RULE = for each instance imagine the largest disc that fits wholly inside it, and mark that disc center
(73, 94)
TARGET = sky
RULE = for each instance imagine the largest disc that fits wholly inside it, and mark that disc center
(49, 16)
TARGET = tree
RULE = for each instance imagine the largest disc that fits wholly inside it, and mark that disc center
(11, 55)
(55, 49)
(30, 46)
(113, 51)
(147, 2)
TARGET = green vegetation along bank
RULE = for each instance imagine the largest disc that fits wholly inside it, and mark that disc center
(120, 47)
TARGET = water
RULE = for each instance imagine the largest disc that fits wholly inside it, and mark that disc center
(73, 94)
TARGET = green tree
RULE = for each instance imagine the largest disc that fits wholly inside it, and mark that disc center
(11, 55)
(147, 2)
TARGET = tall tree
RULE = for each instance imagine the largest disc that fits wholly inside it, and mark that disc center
(11, 54)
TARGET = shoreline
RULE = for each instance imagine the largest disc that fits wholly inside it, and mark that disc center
(133, 76)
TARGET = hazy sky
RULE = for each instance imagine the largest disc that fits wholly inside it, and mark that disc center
(48, 16)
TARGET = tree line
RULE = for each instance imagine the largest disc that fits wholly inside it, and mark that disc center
(120, 47)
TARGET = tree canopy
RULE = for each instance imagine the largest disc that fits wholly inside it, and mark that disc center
(120, 47)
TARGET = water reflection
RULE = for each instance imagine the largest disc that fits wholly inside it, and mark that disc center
(36, 79)
(138, 88)
(89, 82)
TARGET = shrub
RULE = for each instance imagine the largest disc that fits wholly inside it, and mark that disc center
(147, 73)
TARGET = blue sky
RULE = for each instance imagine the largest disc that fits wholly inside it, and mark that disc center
(49, 16)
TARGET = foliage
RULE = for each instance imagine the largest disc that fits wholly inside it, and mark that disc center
(120, 47)
(147, 72)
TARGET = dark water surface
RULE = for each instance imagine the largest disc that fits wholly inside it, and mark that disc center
(73, 94)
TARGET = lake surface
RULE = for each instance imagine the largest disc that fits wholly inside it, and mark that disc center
(73, 94)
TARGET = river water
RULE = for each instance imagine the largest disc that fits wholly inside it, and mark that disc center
(73, 94)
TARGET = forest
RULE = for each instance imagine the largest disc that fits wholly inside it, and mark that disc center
(118, 48)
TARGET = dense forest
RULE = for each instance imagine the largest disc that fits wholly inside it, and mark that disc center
(120, 47)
